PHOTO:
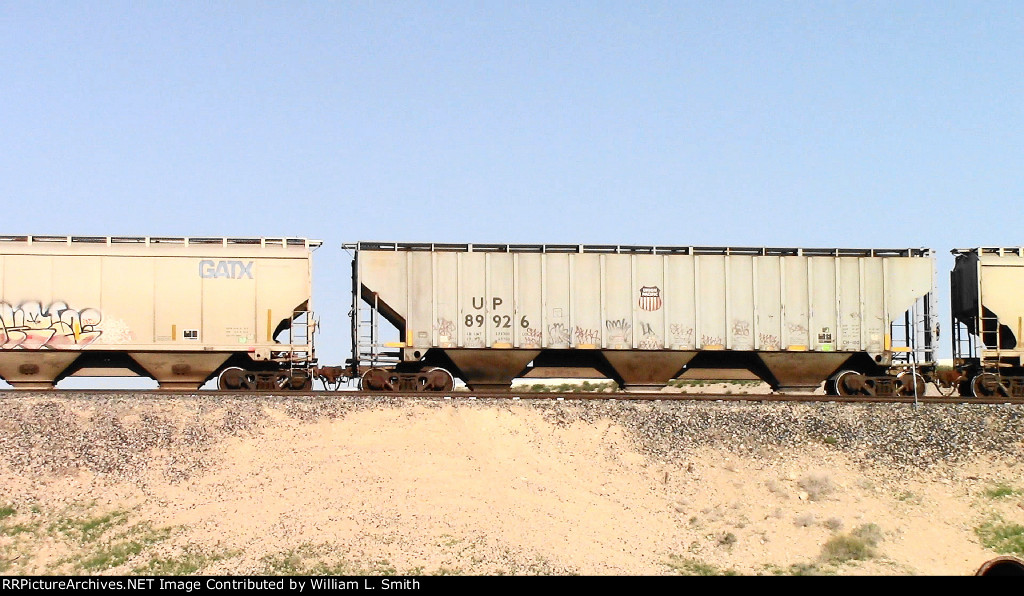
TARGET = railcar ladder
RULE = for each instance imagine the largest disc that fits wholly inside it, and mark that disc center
(301, 330)
(964, 347)
(371, 350)
(913, 337)
(990, 361)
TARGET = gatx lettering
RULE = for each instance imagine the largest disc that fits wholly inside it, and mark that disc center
(225, 269)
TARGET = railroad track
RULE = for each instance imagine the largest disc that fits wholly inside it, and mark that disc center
(515, 395)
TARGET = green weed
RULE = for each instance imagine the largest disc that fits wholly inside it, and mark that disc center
(1004, 538)
(840, 549)
(88, 529)
(1001, 490)
(188, 563)
(690, 566)
(798, 569)
(307, 559)
(858, 545)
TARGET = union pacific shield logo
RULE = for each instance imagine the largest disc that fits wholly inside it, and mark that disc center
(650, 297)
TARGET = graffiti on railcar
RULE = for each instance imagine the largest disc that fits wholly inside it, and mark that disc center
(619, 332)
(532, 337)
(768, 341)
(445, 329)
(558, 334)
(681, 334)
(586, 336)
(708, 341)
(29, 326)
(649, 338)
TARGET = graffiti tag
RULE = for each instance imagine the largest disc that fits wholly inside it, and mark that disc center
(584, 335)
(649, 340)
(31, 327)
(741, 329)
(681, 334)
(711, 340)
(618, 331)
(558, 334)
(445, 330)
(531, 336)
(769, 341)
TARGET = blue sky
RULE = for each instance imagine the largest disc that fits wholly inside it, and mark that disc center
(853, 124)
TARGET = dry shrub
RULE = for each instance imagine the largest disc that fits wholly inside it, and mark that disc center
(817, 486)
(804, 520)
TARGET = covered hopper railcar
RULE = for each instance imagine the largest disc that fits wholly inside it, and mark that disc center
(862, 320)
(987, 307)
(178, 310)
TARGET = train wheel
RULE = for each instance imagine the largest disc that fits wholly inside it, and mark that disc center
(439, 379)
(848, 382)
(908, 380)
(233, 379)
(830, 387)
(377, 379)
(301, 383)
(987, 385)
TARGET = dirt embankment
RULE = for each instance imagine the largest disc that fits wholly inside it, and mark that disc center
(358, 486)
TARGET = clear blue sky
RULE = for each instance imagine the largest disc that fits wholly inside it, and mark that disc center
(852, 124)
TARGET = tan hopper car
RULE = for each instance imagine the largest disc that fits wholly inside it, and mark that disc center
(178, 310)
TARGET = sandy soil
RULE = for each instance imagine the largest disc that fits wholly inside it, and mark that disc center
(461, 487)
